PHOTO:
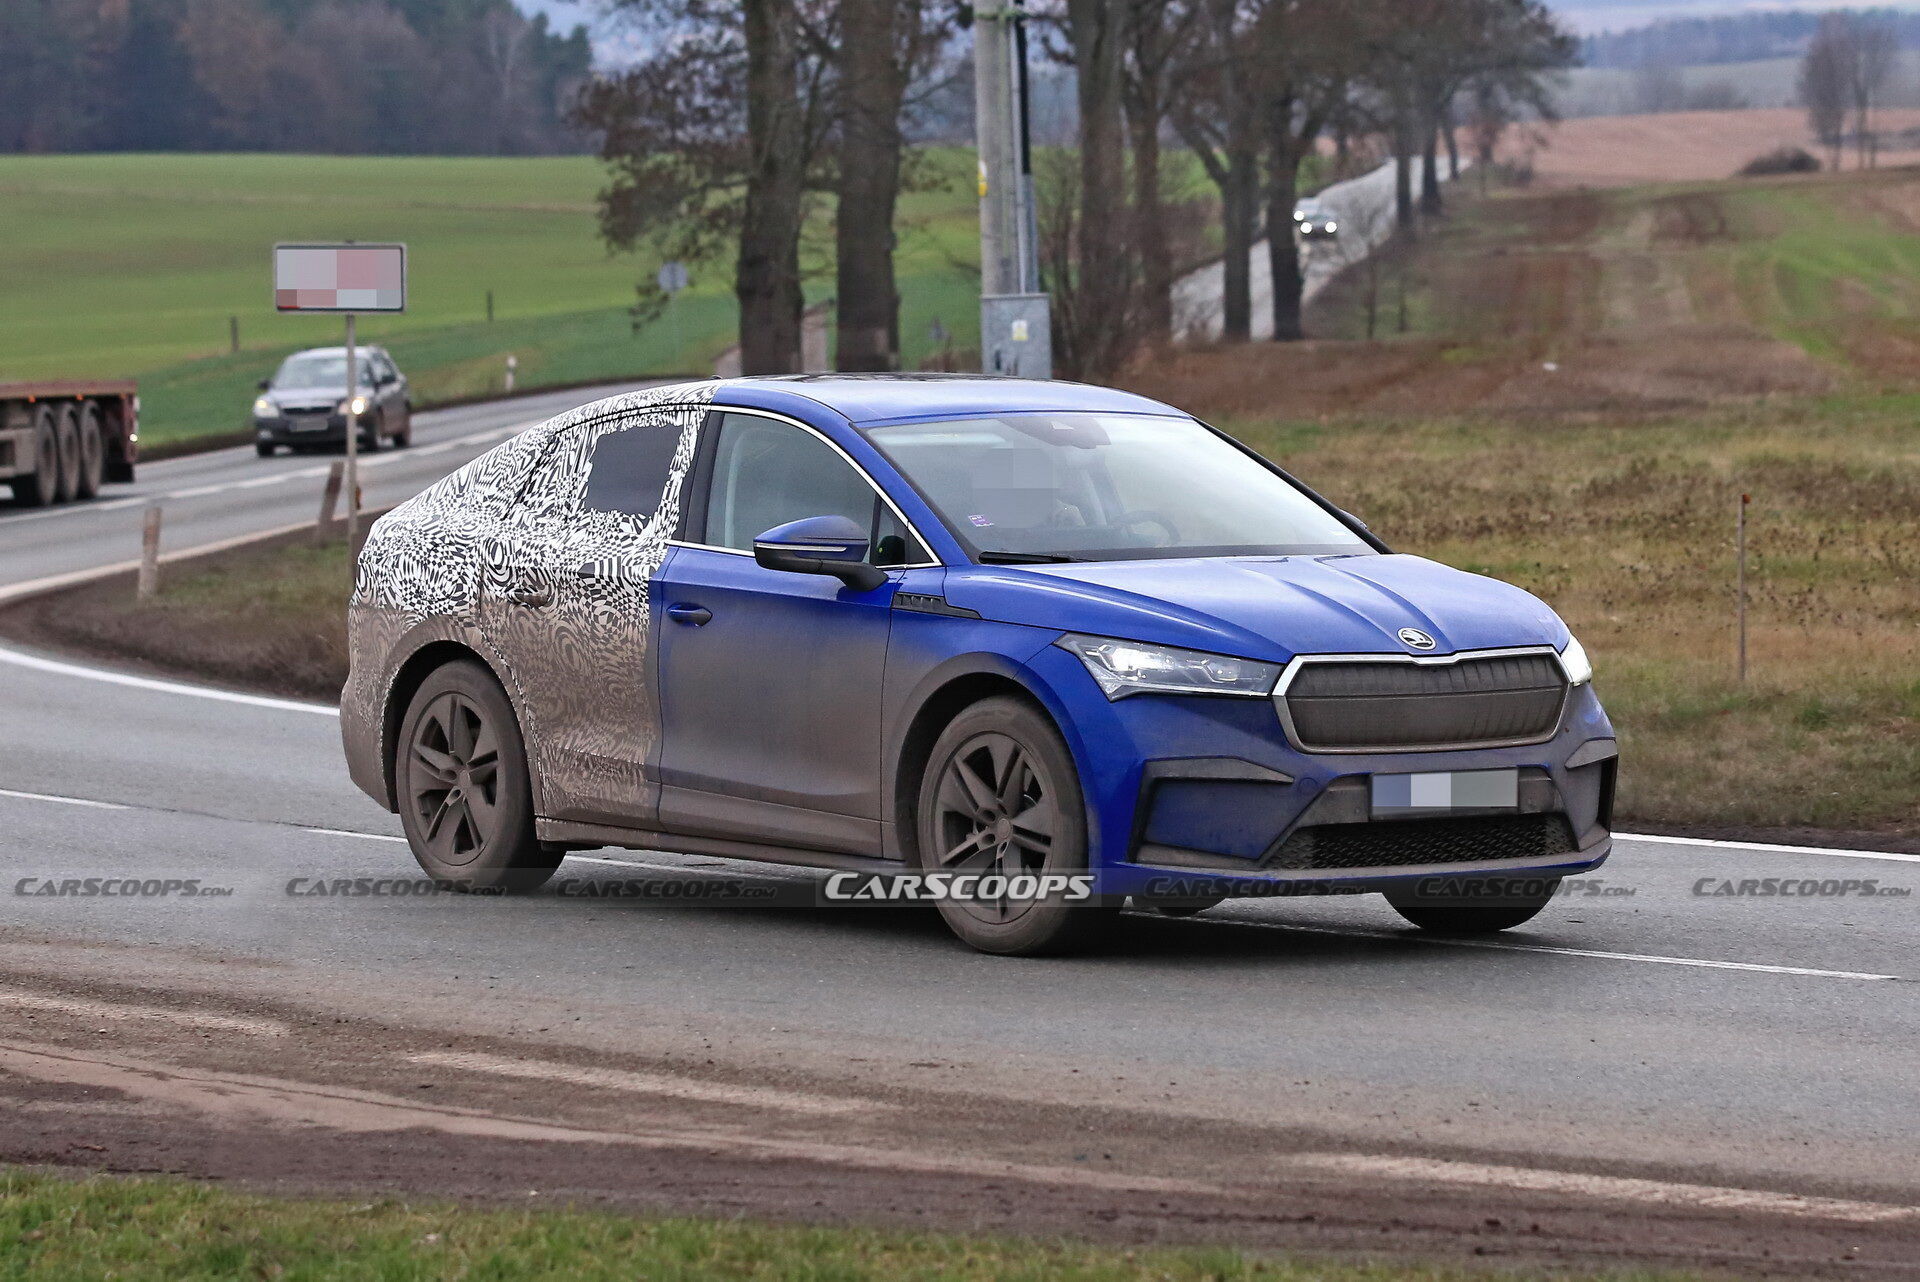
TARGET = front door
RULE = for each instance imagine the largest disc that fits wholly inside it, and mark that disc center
(568, 608)
(770, 680)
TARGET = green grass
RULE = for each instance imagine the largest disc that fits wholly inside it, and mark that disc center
(131, 266)
(53, 1229)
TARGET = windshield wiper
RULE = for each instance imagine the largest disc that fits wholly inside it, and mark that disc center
(1026, 558)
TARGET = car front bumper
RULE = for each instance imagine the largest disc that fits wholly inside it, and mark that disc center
(1189, 791)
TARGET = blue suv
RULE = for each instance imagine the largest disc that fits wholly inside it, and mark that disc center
(1050, 647)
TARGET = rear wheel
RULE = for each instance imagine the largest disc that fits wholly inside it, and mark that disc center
(42, 485)
(66, 433)
(93, 454)
(1472, 914)
(1000, 796)
(466, 800)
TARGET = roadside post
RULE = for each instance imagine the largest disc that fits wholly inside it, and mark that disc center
(329, 502)
(672, 279)
(1015, 324)
(147, 586)
(1740, 581)
(348, 279)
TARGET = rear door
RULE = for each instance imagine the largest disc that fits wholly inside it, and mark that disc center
(770, 680)
(568, 607)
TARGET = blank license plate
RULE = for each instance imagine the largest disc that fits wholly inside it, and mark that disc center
(1443, 791)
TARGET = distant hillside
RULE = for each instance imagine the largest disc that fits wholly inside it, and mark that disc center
(1728, 38)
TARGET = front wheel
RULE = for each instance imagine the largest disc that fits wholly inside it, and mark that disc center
(1473, 914)
(1001, 798)
(466, 800)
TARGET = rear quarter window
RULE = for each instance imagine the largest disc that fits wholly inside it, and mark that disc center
(629, 468)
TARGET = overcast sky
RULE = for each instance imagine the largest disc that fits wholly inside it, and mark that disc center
(1614, 15)
(1583, 15)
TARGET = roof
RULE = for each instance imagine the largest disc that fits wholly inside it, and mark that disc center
(882, 398)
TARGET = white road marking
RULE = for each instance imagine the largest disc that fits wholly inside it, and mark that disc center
(670, 1084)
(1835, 851)
(65, 801)
(1509, 947)
(348, 832)
(1609, 1187)
(58, 668)
(20, 999)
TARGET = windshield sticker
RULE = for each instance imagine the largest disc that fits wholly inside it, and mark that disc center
(980, 521)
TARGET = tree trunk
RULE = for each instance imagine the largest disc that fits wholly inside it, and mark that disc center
(1430, 171)
(1403, 185)
(1453, 144)
(1150, 221)
(873, 84)
(1283, 248)
(1097, 28)
(767, 276)
(1237, 217)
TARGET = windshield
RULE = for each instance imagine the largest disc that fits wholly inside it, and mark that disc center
(320, 371)
(1101, 487)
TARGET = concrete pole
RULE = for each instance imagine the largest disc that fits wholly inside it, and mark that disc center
(1015, 335)
(353, 437)
(996, 120)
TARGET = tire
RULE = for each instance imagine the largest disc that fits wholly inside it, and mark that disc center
(42, 485)
(466, 825)
(1465, 916)
(370, 443)
(264, 449)
(93, 454)
(403, 439)
(998, 760)
(66, 432)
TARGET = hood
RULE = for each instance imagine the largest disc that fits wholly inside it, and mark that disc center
(312, 397)
(1265, 607)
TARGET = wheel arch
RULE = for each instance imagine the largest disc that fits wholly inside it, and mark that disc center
(952, 689)
(435, 649)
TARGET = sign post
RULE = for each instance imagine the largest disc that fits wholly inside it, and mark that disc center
(347, 278)
(672, 278)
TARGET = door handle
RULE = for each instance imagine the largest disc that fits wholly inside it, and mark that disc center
(692, 615)
(529, 596)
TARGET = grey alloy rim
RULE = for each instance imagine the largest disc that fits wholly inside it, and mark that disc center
(453, 782)
(996, 812)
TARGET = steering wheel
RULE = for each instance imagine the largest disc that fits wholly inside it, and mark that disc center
(1148, 516)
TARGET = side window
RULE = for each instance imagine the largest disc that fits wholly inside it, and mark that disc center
(767, 473)
(629, 469)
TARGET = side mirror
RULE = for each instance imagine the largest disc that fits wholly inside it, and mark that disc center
(820, 545)
(266, 384)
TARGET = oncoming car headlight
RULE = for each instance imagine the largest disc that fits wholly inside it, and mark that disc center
(356, 406)
(264, 408)
(1574, 660)
(1122, 668)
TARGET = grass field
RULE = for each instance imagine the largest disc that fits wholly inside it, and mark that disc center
(131, 266)
(1591, 382)
(54, 1229)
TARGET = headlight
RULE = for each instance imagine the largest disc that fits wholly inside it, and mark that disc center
(1127, 667)
(1333, 226)
(1574, 660)
(357, 406)
(264, 408)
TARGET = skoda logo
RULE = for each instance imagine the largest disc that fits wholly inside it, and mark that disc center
(1415, 639)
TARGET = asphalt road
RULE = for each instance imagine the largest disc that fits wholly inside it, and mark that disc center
(1645, 1072)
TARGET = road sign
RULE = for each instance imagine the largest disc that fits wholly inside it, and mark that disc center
(340, 278)
(672, 277)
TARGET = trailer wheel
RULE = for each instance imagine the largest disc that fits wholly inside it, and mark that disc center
(67, 434)
(39, 488)
(93, 453)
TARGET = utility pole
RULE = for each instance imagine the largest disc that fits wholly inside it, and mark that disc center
(1015, 333)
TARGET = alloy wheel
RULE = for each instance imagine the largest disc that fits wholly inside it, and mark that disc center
(996, 812)
(453, 779)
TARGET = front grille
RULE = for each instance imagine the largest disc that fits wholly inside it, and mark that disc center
(1343, 705)
(1403, 843)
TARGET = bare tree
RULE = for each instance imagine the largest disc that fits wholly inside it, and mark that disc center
(1097, 31)
(1157, 32)
(1217, 114)
(1876, 52)
(1824, 81)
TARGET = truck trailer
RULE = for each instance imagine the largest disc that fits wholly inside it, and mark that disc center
(59, 441)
